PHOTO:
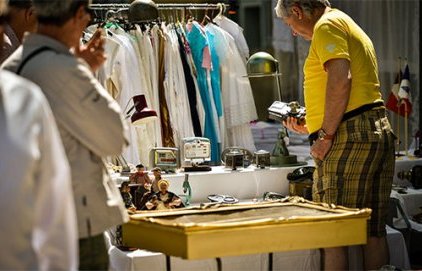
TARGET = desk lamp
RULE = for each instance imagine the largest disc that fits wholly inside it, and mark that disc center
(142, 114)
(262, 64)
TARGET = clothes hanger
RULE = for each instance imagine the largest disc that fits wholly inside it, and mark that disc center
(189, 15)
(182, 16)
(212, 14)
(221, 9)
(206, 19)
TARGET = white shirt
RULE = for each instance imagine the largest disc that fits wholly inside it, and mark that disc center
(127, 72)
(125, 78)
(175, 88)
(236, 32)
(38, 227)
(10, 43)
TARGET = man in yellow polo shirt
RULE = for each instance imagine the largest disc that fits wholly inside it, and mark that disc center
(352, 141)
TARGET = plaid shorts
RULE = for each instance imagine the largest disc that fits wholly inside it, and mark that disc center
(358, 170)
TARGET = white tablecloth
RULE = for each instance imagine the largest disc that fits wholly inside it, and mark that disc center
(411, 200)
(140, 260)
(246, 183)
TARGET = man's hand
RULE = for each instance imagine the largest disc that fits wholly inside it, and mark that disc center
(93, 51)
(295, 125)
(320, 148)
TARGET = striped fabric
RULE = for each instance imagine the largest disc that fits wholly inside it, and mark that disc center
(358, 170)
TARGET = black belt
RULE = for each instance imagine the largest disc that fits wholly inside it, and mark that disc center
(348, 115)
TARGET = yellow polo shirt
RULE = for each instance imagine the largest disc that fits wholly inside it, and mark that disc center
(336, 35)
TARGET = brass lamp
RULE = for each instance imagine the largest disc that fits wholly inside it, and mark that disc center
(263, 64)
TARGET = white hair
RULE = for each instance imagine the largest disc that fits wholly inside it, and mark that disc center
(308, 6)
(52, 8)
(55, 8)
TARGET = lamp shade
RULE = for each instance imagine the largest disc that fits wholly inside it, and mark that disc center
(143, 114)
(262, 64)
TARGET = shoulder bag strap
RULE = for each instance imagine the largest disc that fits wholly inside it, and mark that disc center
(30, 56)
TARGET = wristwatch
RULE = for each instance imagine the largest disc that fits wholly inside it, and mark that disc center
(322, 135)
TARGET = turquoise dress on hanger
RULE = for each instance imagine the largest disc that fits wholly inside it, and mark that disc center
(215, 73)
(198, 42)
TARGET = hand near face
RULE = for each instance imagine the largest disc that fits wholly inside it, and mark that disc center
(93, 51)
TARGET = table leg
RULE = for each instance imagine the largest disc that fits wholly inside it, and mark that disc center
(219, 264)
(168, 263)
(270, 261)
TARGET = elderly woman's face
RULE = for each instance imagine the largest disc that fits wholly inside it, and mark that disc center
(163, 187)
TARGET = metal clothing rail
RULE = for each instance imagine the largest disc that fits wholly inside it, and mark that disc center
(193, 6)
(200, 6)
(108, 6)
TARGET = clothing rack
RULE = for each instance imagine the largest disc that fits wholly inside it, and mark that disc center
(200, 6)
(149, 13)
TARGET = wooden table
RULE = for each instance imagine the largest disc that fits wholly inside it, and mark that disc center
(198, 233)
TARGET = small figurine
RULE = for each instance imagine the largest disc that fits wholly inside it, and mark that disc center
(164, 199)
(157, 177)
(140, 176)
(281, 144)
(127, 197)
(142, 200)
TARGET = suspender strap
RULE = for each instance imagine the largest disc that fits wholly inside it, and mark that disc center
(30, 56)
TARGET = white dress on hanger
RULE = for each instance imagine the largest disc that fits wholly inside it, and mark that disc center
(126, 77)
(236, 32)
(149, 70)
(175, 88)
(238, 102)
